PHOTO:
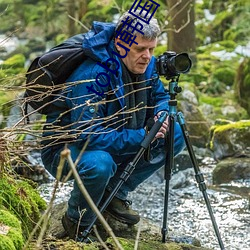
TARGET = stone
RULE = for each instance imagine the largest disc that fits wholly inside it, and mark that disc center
(231, 169)
(230, 140)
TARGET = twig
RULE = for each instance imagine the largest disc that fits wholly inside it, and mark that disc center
(99, 238)
(45, 217)
(66, 154)
(77, 21)
(137, 236)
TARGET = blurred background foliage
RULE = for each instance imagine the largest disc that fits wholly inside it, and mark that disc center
(214, 32)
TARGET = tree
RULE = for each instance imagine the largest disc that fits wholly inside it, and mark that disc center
(181, 26)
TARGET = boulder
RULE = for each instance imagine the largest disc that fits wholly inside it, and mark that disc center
(197, 125)
(231, 169)
(231, 139)
(150, 235)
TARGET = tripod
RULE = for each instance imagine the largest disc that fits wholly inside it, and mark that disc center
(173, 90)
(169, 163)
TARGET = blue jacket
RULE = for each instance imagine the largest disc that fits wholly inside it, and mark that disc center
(105, 132)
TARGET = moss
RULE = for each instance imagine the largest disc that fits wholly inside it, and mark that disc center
(16, 237)
(214, 101)
(242, 84)
(13, 239)
(6, 243)
(16, 61)
(236, 125)
(225, 75)
(22, 200)
(128, 244)
(238, 128)
(9, 219)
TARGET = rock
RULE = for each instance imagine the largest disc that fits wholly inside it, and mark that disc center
(229, 140)
(181, 179)
(231, 169)
(149, 238)
(197, 125)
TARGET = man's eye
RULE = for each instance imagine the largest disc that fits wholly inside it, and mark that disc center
(140, 50)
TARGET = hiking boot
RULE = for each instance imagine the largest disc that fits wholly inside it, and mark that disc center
(121, 211)
(75, 231)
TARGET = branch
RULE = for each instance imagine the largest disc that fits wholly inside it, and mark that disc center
(67, 155)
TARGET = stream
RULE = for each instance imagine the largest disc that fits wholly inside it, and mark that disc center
(187, 212)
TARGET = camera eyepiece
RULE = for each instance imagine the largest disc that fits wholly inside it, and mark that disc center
(170, 64)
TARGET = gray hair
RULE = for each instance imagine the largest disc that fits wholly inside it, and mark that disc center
(151, 30)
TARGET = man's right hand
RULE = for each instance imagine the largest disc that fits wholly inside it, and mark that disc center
(164, 128)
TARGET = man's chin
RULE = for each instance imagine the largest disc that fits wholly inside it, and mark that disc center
(139, 71)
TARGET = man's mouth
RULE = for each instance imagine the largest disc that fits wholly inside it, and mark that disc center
(144, 64)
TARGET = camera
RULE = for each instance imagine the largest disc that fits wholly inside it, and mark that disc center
(171, 65)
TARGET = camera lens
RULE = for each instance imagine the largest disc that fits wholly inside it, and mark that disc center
(182, 63)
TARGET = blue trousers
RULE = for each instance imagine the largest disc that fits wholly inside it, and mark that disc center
(100, 170)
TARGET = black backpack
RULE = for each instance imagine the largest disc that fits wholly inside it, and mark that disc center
(48, 73)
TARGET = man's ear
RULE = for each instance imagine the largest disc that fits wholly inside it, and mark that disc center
(117, 40)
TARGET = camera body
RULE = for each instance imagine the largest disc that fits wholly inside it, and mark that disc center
(171, 65)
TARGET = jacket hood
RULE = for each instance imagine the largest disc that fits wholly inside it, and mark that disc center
(97, 40)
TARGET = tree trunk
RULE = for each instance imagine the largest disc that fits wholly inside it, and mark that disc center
(72, 13)
(83, 7)
(181, 27)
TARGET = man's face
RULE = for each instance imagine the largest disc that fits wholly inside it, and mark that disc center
(139, 56)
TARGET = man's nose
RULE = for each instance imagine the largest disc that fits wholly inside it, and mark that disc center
(146, 54)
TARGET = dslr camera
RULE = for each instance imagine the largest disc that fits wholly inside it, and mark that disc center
(171, 65)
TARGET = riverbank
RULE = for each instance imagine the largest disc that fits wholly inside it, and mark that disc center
(188, 215)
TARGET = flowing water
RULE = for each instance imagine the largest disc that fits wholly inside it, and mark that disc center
(187, 212)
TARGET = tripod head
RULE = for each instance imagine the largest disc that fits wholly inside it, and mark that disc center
(174, 89)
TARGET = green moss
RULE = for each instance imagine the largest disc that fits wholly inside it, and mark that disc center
(236, 125)
(214, 101)
(22, 200)
(13, 239)
(128, 244)
(16, 237)
(6, 243)
(239, 128)
(16, 61)
(225, 75)
(9, 219)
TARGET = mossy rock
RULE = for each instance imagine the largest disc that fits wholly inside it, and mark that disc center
(10, 231)
(21, 199)
(232, 139)
(231, 169)
(128, 244)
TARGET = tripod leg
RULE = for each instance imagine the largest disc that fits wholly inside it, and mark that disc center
(129, 169)
(199, 177)
(168, 173)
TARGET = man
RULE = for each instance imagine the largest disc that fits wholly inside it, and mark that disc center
(109, 116)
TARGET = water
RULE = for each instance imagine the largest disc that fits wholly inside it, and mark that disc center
(187, 212)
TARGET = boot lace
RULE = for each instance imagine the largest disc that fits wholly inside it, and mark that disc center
(127, 203)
